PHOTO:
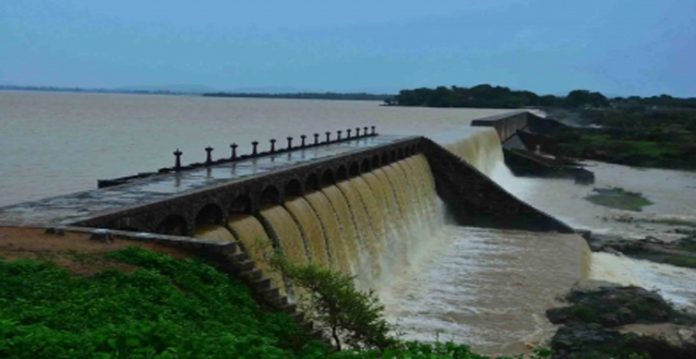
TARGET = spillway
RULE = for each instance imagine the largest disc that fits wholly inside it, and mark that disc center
(368, 226)
(388, 229)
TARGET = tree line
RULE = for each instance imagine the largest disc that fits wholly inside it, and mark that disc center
(485, 95)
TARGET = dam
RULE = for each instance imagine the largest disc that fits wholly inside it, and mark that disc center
(369, 205)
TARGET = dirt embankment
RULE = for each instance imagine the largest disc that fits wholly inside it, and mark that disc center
(71, 250)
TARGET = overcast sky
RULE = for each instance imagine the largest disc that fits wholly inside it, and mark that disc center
(617, 47)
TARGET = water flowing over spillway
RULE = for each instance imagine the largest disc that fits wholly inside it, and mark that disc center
(387, 227)
(365, 226)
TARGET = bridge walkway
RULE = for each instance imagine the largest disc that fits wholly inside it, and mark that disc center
(76, 207)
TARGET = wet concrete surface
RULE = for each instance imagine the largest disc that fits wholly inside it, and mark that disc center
(74, 207)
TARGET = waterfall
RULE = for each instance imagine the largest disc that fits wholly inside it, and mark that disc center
(482, 149)
(332, 231)
(311, 229)
(288, 235)
(214, 233)
(367, 226)
(249, 231)
(346, 224)
(674, 283)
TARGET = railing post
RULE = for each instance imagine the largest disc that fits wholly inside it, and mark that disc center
(316, 139)
(365, 133)
(302, 141)
(357, 132)
(234, 151)
(339, 134)
(348, 130)
(177, 161)
(289, 143)
(254, 144)
(373, 130)
(273, 141)
(208, 156)
(328, 136)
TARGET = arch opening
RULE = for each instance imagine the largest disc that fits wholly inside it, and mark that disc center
(173, 225)
(375, 161)
(209, 214)
(241, 205)
(366, 166)
(327, 178)
(385, 159)
(270, 195)
(342, 173)
(293, 188)
(312, 182)
(354, 169)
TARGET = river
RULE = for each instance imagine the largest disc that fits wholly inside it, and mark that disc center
(485, 287)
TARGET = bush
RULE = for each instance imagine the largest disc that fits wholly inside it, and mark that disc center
(351, 316)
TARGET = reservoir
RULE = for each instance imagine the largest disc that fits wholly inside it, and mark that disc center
(485, 287)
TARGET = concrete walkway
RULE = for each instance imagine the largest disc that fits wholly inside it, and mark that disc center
(71, 208)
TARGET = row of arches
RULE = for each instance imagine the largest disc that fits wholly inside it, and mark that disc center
(215, 213)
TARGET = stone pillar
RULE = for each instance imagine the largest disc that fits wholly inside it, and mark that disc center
(177, 161)
(357, 132)
(316, 139)
(254, 144)
(365, 133)
(339, 134)
(348, 130)
(289, 138)
(328, 136)
(208, 156)
(233, 156)
(373, 130)
(273, 141)
(302, 141)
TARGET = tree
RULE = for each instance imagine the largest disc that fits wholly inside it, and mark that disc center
(580, 98)
(331, 299)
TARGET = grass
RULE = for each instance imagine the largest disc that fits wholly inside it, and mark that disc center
(167, 308)
(618, 198)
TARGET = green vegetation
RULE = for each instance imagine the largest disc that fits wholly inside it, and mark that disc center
(485, 95)
(633, 136)
(492, 97)
(618, 198)
(653, 131)
(166, 308)
(351, 316)
(171, 308)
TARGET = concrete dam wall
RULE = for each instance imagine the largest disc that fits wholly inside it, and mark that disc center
(363, 206)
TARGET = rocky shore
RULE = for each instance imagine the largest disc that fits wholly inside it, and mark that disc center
(603, 320)
(680, 252)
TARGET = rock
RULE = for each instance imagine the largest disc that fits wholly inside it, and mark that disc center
(595, 341)
(605, 321)
(589, 341)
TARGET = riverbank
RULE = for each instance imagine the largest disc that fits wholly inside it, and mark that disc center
(605, 320)
(642, 137)
(680, 252)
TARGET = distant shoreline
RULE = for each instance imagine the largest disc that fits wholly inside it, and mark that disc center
(304, 96)
(91, 90)
(290, 95)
